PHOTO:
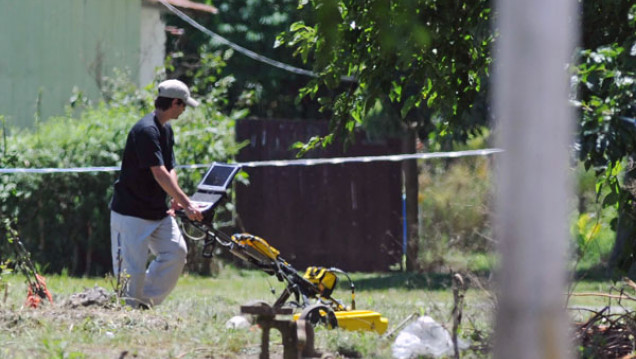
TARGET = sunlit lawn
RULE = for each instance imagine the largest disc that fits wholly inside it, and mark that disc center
(191, 323)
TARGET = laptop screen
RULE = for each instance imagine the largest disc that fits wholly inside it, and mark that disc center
(218, 177)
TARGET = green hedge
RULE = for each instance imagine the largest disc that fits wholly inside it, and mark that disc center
(63, 218)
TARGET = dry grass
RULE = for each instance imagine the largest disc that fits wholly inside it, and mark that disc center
(191, 323)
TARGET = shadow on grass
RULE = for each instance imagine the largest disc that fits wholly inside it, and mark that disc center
(407, 280)
(599, 273)
(443, 281)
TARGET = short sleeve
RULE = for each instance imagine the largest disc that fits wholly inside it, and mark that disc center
(172, 158)
(148, 148)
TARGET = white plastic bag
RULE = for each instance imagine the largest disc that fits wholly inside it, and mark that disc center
(238, 322)
(424, 337)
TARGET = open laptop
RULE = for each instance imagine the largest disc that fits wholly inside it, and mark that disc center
(213, 186)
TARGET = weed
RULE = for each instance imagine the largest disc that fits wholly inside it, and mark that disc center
(58, 349)
(4, 285)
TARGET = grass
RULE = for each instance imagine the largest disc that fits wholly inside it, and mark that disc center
(191, 322)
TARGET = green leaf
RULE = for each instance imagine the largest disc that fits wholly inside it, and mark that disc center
(610, 199)
(408, 105)
(431, 99)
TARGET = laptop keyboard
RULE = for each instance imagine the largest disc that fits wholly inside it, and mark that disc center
(200, 205)
(204, 200)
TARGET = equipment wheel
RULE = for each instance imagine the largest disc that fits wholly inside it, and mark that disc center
(320, 314)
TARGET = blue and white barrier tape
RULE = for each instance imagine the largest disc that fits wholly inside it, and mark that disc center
(364, 159)
(59, 170)
(280, 163)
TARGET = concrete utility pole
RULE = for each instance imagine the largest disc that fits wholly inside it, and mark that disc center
(534, 128)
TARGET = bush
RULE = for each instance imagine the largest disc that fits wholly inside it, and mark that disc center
(591, 226)
(456, 204)
(455, 208)
(63, 218)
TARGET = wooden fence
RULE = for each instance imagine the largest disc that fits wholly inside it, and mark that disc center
(344, 215)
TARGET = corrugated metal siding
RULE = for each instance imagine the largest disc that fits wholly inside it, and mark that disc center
(55, 45)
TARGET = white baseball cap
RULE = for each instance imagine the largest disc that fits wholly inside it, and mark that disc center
(177, 89)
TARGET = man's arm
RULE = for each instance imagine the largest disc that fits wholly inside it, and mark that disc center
(168, 181)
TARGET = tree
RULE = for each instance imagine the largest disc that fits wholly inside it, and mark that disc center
(422, 64)
(422, 67)
(606, 79)
(253, 25)
(426, 61)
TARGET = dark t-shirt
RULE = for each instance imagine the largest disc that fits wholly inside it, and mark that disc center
(137, 193)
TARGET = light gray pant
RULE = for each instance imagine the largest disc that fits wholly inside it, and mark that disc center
(132, 240)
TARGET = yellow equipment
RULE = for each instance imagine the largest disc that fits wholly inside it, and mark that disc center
(354, 320)
(311, 291)
(323, 278)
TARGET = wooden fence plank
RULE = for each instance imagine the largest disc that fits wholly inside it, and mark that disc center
(347, 215)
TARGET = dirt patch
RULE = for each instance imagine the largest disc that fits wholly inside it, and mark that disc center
(92, 310)
(92, 297)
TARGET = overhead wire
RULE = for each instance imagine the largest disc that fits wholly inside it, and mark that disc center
(249, 53)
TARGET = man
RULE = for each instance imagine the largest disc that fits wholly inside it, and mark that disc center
(141, 221)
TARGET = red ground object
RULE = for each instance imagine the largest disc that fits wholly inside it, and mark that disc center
(36, 292)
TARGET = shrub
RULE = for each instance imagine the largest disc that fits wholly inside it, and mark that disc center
(455, 208)
(455, 199)
(63, 218)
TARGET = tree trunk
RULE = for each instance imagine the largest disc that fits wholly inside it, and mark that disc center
(623, 255)
(89, 249)
(531, 102)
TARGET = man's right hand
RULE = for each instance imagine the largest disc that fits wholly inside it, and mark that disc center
(193, 213)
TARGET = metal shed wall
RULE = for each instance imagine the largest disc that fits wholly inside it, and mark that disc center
(48, 47)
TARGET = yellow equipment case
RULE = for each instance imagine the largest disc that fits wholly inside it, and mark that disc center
(355, 320)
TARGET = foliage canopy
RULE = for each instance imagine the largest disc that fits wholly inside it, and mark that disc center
(253, 25)
(606, 99)
(423, 63)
